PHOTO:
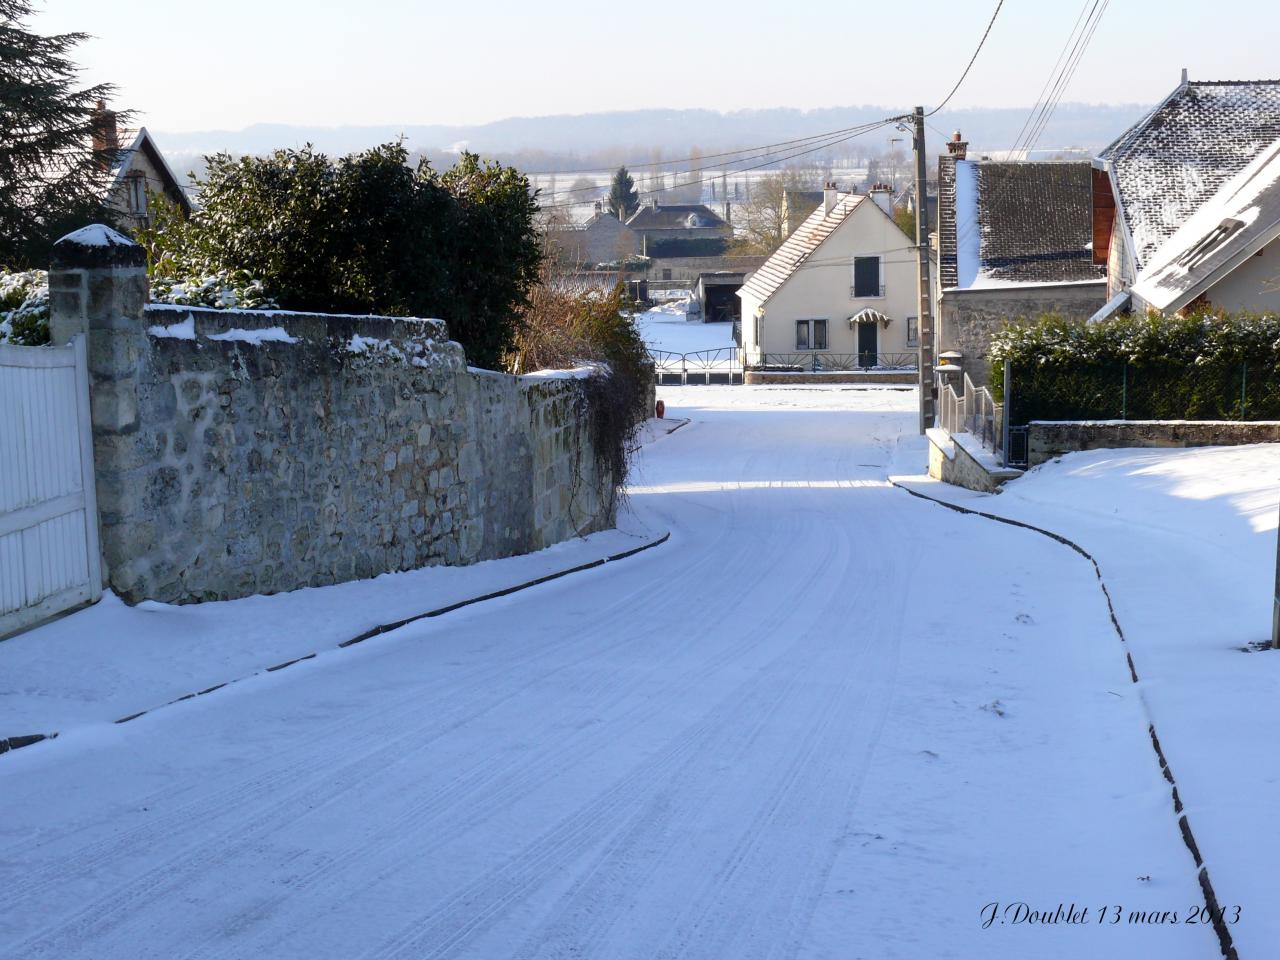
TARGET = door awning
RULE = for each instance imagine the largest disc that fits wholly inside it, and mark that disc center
(869, 316)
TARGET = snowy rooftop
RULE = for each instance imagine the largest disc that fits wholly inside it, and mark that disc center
(1024, 224)
(1178, 156)
(799, 246)
(1237, 221)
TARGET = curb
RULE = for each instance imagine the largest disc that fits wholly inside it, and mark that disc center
(15, 743)
(1210, 897)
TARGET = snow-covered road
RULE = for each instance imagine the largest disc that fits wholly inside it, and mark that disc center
(826, 719)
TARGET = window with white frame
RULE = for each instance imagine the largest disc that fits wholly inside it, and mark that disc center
(913, 331)
(866, 278)
(802, 334)
(819, 334)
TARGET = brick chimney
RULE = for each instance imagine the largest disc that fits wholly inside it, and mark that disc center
(106, 136)
(958, 147)
(830, 196)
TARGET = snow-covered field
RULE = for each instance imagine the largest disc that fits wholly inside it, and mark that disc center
(1186, 540)
(826, 719)
(665, 328)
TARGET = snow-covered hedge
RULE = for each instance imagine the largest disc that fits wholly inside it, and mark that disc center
(229, 290)
(1200, 339)
(1205, 366)
(24, 307)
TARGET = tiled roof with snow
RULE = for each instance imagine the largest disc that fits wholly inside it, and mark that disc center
(1236, 222)
(1035, 223)
(674, 217)
(799, 246)
(1183, 151)
(1025, 223)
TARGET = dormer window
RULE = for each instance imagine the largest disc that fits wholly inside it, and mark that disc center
(694, 221)
(1214, 239)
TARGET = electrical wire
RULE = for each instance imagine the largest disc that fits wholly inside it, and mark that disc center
(774, 160)
(972, 60)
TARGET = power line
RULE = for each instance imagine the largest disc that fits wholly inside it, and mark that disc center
(767, 150)
(767, 163)
(972, 60)
(1026, 124)
(706, 156)
(1068, 74)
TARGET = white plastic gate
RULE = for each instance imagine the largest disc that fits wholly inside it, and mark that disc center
(49, 559)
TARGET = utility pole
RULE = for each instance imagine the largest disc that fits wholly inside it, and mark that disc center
(922, 277)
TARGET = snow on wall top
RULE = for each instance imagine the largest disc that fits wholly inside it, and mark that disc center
(1183, 151)
(97, 235)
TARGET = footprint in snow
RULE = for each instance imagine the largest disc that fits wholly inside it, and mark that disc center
(1025, 618)
(995, 706)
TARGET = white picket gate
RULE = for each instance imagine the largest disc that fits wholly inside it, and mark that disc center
(49, 558)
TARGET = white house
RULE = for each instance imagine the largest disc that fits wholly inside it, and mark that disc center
(839, 293)
(1186, 203)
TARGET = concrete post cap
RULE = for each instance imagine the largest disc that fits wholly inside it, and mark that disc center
(97, 245)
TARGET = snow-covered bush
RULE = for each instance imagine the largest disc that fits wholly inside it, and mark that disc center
(228, 290)
(24, 308)
(1198, 367)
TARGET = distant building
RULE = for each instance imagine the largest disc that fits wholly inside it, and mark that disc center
(839, 293)
(686, 229)
(1186, 202)
(796, 207)
(601, 239)
(137, 170)
(1014, 239)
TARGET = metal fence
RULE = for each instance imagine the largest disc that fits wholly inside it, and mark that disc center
(721, 365)
(974, 412)
(820, 362)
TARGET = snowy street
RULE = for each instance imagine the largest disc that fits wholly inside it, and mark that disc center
(826, 719)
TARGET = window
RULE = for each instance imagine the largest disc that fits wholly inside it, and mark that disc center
(913, 331)
(866, 277)
(811, 334)
(137, 194)
(819, 334)
(666, 274)
(759, 321)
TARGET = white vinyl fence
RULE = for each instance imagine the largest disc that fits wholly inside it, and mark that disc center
(49, 559)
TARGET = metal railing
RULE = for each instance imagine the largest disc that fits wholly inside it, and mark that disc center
(974, 412)
(820, 362)
(720, 365)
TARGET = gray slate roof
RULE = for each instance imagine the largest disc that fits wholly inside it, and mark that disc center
(1181, 153)
(1237, 222)
(674, 217)
(1036, 222)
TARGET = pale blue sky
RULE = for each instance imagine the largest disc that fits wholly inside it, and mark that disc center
(235, 62)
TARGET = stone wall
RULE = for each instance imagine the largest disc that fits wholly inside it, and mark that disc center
(960, 460)
(968, 318)
(254, 452)
(1049, 439)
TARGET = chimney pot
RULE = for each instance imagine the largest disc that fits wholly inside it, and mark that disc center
(830, 196)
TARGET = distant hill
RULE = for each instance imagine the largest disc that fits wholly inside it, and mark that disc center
(565, 141)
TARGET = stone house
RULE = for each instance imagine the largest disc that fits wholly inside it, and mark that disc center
(842, 285)
(1186, 202)
(671, 228)
(601, 239)
(1014, 240)
(138, 169)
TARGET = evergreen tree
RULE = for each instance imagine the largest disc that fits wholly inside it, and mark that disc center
(623, 195)
(51, 178)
